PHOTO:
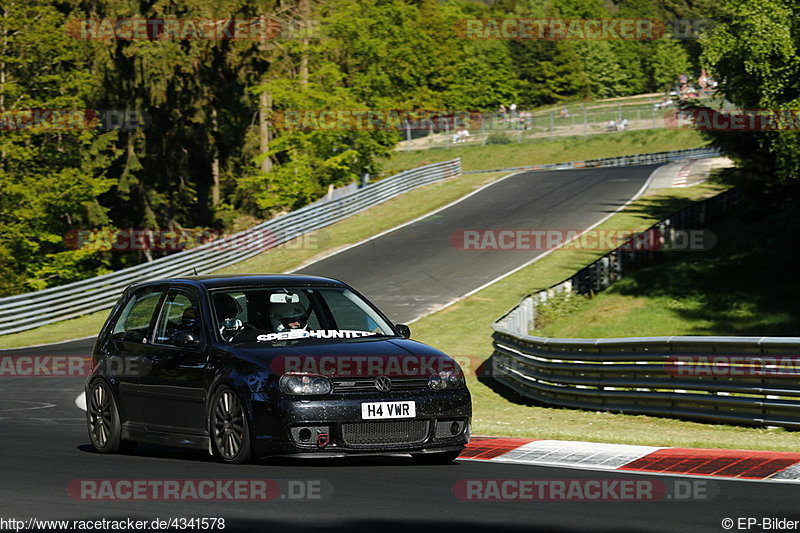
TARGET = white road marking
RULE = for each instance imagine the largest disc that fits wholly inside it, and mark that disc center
(41, 405)
(80, 401)
(681, 179)
(404, 224)
(542, 256)
(573, 453)
(790, 474)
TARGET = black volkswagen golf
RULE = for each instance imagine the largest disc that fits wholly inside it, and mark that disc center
(249, 366)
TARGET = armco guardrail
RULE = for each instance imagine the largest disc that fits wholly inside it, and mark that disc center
(30, 310)
(739, 380)
(752, 381)
(620, 161)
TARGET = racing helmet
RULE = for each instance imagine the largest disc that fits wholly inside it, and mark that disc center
(225, 306)
(284, 314)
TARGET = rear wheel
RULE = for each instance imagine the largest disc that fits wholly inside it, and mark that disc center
(230, 431)
(103, 422)
(437, 458)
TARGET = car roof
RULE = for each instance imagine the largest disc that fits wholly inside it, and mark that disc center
(248, 280)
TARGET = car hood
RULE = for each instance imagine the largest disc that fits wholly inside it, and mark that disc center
(384, 354)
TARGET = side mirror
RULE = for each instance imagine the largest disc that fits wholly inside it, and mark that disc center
(403, 330)
(184, 339)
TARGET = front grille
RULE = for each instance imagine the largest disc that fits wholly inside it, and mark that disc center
(384, 433)
(368, 384)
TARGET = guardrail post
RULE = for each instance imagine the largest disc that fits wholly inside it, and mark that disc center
(530, 311)
(585, 121)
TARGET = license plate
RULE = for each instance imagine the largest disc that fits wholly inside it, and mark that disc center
(377, 410)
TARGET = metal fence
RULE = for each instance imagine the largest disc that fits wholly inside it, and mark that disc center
(30, 310)
(743, 380)
(752, 381)
(619, 161)
(525, 126)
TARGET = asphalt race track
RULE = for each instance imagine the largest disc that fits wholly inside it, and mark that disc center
(46, 448)
(415, 269)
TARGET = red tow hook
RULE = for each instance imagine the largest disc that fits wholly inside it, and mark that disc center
(323, 439)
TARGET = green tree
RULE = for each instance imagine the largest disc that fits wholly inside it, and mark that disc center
(668, 60)
(754, 54)
(49, 179)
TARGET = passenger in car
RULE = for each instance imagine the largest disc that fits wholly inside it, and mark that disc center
(226, 310)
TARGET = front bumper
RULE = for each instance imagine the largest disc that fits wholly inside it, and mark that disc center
(442, 423)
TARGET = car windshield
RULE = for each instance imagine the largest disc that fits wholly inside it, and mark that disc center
(269, 315)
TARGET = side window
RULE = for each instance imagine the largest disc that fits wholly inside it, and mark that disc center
(134, 321)
(179, 314)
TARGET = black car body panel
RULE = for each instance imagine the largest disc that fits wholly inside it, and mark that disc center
(163, 390)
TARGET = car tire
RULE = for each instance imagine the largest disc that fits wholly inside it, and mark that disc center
(437, 458)
(229, 428)
(103, 421)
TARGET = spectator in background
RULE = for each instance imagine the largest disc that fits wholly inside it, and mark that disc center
(683, 85)
(513, 109)
(564, 113)
(463, 133)
(702, 82)
(664, 103)
(502, 111)
(525, 120)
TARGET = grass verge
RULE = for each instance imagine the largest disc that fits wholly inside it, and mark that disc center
(463, 330)
(738, 287)
(542, 151)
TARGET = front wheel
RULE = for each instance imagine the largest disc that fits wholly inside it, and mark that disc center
(103, 422)
(437, 458)
(230, 432)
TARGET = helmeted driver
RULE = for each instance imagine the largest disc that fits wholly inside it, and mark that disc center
(288, 316)
(227, 310)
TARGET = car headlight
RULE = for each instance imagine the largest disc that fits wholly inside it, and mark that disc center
(305, 384)
(446, 379)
